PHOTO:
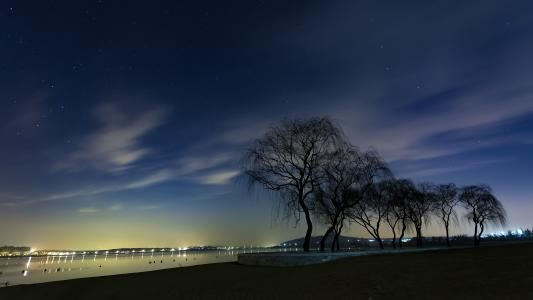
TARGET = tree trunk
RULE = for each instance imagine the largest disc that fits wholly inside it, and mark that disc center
(448, 236)
(325, 237)
(417, 237)
(334, 243)
(307, 240)
(393, 239)
(338, 232)
(335, 246)
(380, 242)
(419, 243)
(481, 227)
(402, 234)
(475, 235)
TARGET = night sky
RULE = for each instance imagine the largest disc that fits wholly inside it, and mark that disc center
(123, 122)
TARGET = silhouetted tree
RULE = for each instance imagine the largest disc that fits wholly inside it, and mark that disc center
(338, 230)
(405, 190)
(445, 201)
(370, 211)
(397, 217)
(285, 159)
(483, 208)
(420, 205)
(338, 174)
(371, 198)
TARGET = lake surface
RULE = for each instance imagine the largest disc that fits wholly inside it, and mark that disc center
(28, 270)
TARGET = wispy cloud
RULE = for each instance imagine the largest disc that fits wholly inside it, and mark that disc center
(219, 178)
(420, 172)
(116, 145)
(396, 93)
(88, 210)
(116, 207)
(192, 168)
(194, 163)
(400, 127)
(149, 207)
(94, 209)
(149, 180)
(152, 179)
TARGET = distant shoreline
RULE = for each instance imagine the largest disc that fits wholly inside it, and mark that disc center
(102, 252)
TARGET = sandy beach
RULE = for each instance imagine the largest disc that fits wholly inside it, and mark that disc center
(491, 272)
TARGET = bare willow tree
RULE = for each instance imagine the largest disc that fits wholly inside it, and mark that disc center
(483, 209)
(285, 160)
(420, 206)
(446, 199)
(370, 207)
(404, 190)
(397, 213)
(338, 174)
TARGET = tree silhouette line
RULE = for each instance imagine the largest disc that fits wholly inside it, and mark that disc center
(314, 170)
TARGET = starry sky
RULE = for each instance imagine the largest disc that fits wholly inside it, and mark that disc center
(123, 122)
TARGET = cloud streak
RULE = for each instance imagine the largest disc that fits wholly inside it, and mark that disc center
(197, 169)
(88, 210)
(421, 172)
(116, 145)
(219, 178)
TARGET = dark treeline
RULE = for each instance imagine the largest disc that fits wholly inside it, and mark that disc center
(462, 240)
(317, 172)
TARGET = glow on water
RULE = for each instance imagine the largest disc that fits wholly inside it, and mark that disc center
(28, 270)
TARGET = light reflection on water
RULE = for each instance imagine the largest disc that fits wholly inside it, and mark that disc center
(28, 270)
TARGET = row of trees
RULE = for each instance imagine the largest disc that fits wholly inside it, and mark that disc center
(316, 172)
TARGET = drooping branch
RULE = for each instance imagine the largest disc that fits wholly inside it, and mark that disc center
(286, 159)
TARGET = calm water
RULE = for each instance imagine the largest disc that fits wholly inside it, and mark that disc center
(29, 270)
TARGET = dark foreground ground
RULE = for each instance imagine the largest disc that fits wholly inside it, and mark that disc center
(492, 272)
